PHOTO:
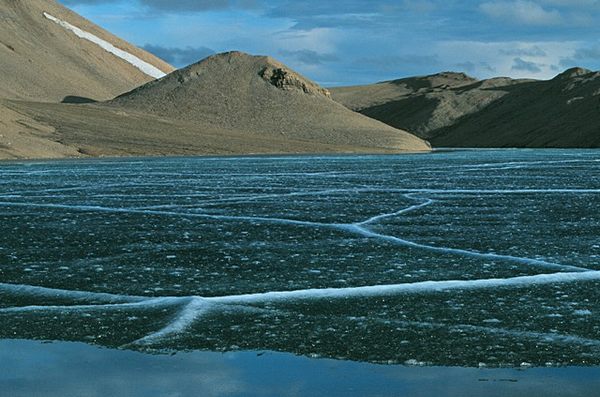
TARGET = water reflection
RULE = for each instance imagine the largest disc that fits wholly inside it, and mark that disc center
(30, 368)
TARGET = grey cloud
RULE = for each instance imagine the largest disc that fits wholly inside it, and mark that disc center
(472, 67)
(521, 12)
(180, 5)
(487, 67)
(467, 66)
(187, 5)
(567, 62)
(580, 56)
(573, 3)
(587, 53)
(309, 57)
(523, 65)
(394, 63)
(534, 51)
(311, 8)
(179, 57)
(420, 6)
(356, 14)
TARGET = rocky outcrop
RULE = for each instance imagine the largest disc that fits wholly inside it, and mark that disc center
(287, 80)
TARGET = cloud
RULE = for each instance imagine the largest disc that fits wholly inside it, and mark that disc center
(523, 65)
(351, 14)
(533, 51)
(369, 41)
(398, 63)
(587, 53)
(178, 5)
(520, 11)
(492, 59)
(573, 3)
(177, 56)
(187, 5)
(309, 57)
(582, 56)
(420, 6)
(310, 8)
(472, 67)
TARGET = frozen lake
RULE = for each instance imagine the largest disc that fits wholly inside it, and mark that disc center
(462, 258)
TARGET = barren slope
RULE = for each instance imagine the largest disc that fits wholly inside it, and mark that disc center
(230, 103)
(424, 105)
(563, 112)
(42, 60)
(260, 97)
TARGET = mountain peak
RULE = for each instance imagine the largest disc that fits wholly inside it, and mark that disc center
(267, 68)
(573, 72)
(453, 76)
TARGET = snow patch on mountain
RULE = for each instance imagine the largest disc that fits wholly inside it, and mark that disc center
(145, 67)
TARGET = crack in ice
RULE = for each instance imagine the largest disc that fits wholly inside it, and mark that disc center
(354, 228)
(195, 307)
(403, 211)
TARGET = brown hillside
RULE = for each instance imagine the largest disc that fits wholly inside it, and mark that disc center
(230, 103)
(42, 61)
(259, 96)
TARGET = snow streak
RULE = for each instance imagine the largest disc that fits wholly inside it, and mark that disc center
(144, 66)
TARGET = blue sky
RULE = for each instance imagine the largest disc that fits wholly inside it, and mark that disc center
(357, 41)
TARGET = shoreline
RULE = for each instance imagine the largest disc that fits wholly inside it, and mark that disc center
(219, 156)
(281, 155)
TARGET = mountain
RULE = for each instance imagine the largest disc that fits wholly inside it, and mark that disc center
(454, 110)
(230, 103)
(42, 57)
(260, 97)
(50, 54)
(61, 74)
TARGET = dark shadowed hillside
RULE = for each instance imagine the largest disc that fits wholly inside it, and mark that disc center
(451, 109)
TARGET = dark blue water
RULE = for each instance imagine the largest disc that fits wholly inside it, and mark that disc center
(31, 369)
(463, 258)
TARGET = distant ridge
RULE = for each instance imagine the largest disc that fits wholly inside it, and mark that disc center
(454, 110)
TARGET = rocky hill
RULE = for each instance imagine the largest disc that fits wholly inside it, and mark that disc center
(260, 97)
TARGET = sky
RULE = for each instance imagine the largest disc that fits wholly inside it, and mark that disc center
(350, 42)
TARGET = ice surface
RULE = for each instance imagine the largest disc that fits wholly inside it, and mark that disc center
(145, 67)
(455, 258)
